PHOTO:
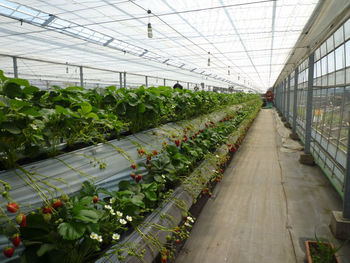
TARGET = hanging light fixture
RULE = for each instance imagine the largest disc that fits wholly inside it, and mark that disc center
(208, 59)
(149, 26)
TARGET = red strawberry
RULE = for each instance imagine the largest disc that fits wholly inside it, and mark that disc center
(138, 178)
(176, 229)
(203, 183)
(21, 219)
(47, 210)
(95, 199)
(164, 258)
(210, 194)
(229, 145)
(57, 204)
(133, 175)
(12, 207)
(177, 142)
(166, 252)
(141, 152)
(16, 240)
(149, 157)
(147, 162)
(200, 130)
(177, 241)
(211, 122)
(206, 125)
(185, 130)
(133, 166)
(8, 251)
(217, 164)
(149, 167)
(155, 152)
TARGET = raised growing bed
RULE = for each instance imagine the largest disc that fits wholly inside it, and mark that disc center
(41, 182)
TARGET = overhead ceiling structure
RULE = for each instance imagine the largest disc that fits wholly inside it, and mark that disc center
(240, 42)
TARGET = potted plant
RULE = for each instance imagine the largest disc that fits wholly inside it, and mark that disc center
(320, 251)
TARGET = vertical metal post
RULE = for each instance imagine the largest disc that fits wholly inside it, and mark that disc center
(284, 98)
(121, 79)
(146, 81)
(15, 68)
(296, 77)
(288, 98)
(124, 79)
(188, 85)
(81, 76)
(346, 201)
(164, 82)
(310, 85)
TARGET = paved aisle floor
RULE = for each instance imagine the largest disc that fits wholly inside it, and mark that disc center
(247, 220)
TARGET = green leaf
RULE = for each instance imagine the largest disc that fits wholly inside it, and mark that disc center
(86, 107)
(150, 195)
(45, 248)
(141, 108)
(92, 115)
(11, 89)
(4, 101)
(20, 82)
(138, 201)
(85, 215)
(11, 128)
(30, 90)
(61, 110)
(2, 117)
(31, 112)
(71, 230)
(2, 76)
(85, 200)
(93, 228)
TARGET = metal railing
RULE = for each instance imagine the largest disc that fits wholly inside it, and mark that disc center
(45, 74)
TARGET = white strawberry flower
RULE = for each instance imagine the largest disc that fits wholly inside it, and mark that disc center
(163, 176)
(116, 236)
(129, 218)
(190, 219)
(123, 221)
(112, 212)
(120, 214)
(187, 224)
(217, 156)
(93, 235)
(112, 200)
(99, 239)
(108, 207)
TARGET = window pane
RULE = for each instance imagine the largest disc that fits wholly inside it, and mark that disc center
(339, 58)
(347, 53)
(347, 29)
(323, 49)
(331, 62)
(339, 36)
(330, 44)
(324, 66)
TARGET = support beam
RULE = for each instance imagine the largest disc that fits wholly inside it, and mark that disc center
(124, 79)
(164, 82)
(81, 76)
(295, 102)
(346, 201)
(120, 80)
(310, 86)
(15, 68)
(146, 81)
(288, 98)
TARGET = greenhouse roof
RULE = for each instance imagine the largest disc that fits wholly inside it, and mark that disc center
(233, 42)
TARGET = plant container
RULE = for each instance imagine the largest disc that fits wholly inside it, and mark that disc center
(309, 244)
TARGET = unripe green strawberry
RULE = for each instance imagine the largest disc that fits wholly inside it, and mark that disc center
(47, 217)
(21, 219)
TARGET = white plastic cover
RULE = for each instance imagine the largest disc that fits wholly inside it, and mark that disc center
(248, 41)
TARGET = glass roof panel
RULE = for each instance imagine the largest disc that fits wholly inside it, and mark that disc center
(250, 38)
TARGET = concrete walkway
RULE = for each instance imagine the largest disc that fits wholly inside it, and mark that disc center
(265, 207)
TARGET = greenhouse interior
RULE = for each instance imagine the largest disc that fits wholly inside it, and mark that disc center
(175, 131)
